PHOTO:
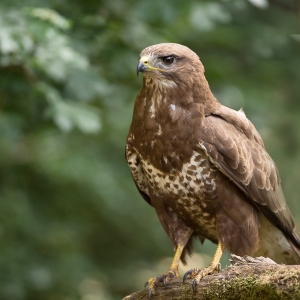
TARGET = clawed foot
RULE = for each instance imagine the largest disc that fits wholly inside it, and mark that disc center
(197, 274)
(153, 282)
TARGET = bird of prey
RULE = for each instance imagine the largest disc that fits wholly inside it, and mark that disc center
(203, 167)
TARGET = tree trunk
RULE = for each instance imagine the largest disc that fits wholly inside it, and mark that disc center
(248, 278)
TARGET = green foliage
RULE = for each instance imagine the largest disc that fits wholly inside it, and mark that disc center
(35, 42)
(72, 224)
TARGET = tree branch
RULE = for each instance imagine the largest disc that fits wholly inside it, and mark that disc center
(247, 278)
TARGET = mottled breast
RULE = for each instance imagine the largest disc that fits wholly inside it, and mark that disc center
(191, 192)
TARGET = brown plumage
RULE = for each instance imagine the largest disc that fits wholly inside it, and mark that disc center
(203, 166)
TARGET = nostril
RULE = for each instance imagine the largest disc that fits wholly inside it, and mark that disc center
(145, 60)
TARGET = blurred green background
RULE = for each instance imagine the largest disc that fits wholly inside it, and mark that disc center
(72, 224)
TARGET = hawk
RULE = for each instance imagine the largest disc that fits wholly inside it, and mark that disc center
(203, 167)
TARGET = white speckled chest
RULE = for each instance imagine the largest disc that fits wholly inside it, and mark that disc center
(189, 193)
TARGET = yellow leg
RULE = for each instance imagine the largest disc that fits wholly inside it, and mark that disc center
(170, 274)
(176, 260)
(197, 274)
(217, 256)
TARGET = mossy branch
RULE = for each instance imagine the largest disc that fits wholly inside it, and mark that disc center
(246, 279)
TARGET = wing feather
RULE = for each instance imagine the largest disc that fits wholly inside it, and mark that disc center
(236, 149)
(137, 173)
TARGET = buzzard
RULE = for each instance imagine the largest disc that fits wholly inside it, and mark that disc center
(203, 167)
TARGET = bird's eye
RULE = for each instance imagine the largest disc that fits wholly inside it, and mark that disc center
(168, 60)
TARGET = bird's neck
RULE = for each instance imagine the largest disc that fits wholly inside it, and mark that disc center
(162, 96)
(165, 120)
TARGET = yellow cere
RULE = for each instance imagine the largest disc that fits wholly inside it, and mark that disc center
(145, 60)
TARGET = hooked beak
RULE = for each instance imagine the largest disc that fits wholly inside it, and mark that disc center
(141, 67)
(144, 65)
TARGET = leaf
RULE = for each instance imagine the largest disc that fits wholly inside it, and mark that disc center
(205, 16)
(67, 114)
(57, 58)
(49, 15)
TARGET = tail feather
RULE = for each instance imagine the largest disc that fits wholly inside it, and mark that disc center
(274, 244)
(295, 244)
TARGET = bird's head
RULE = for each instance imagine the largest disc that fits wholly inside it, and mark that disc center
(170, 64)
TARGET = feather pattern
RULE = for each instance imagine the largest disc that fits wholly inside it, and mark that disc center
(203, 166)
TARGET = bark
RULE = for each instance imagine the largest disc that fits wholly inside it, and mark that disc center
(246, 279)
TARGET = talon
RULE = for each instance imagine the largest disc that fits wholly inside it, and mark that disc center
(197, 274)
(152, 283)
(149, 293)
(172, 273)
(186, 275)
(165, 281)
(194, 285)
(151, 286)
(190, 274)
